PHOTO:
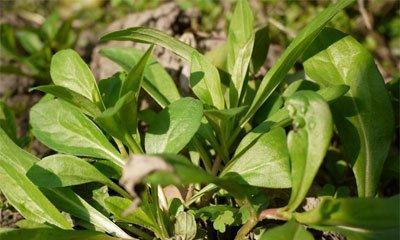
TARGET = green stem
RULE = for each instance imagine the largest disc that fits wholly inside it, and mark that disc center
(160, 219)
(132, 144)
(119, 190)
(250, 224)
(203, 154)
(121, 147)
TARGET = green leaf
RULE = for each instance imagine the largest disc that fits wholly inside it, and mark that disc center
(185, 226)
(64, 128)
(356, 218)
(84, 104)
(52, 233)
(70, 71)
(278, 72)
(288, 231)
(29, 40)
(133, 80)
(265, 163)
(152, 36)
(364, 116)
(7, 41)
(51, 25)
(224, 114)
(65, 170)
(223, 220)
(157, 82)
(7, 121)
(143, 216)
(240, 46)
(308, 142)
(205, 81)
(68, 201)
(20, 192)
(260, 49)
(174, 126)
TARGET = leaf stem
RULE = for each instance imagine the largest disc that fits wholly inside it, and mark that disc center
(204, 156)
(132, 144)
(251, 222)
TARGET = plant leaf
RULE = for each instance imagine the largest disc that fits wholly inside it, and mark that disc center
(356, 218)
(185, 226)
(260, 49)
(84, 104)
(152, 36)
(288, 231)
(157, 82)
(52, 233)
(29, 40)
(240, 46)
(68, 201)
(279, 70)
(364, 117)
(265, 163)
(21, 193)
(205, 81)
(64, 128)
(69, 70)
(174, 126)
(308, 142)
(7, 121)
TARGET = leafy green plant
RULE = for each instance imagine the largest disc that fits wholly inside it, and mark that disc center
(218, 166)
(30, 49)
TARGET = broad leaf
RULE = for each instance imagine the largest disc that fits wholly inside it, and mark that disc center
(185, 226)
(364, 117)
(84, 104)
(356, 218)
(308, 142)
(20, 192)
(65, 170)
(157, 82)
(240, 46)
(265, 163)
(52, 233)
(64, 128)
(174, 126)
(205, 81)
(153, 36)
(68, 201)
(278, 72)
(288, 231)
(142, 216)
(69, 70)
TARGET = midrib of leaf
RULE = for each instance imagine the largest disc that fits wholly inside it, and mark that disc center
(367, 165)
(80, 83)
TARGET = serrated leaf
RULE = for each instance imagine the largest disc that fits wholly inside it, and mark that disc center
(223, 220)
(174, 126)
(65, 129)
(308, 142)
(288, 231)
(364, 116)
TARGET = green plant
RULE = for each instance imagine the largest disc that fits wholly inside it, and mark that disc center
(235, 135)
(31, 48)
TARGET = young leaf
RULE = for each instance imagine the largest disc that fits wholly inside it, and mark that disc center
(152, 36)
(21, 193)
(205, 81)
(68, 201)
(65, 170)
(356, 218)
(185, 226)
(29, 40)
(260, 49)
(69, 70)
(240, 46)
(265, 163)
(52, 233)
(364, 117)
(278, 72)
(133, 80)
(288, 231)
(308, 142)
(65, 129)
(157, 82)
(84, 104)
(174, 126)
